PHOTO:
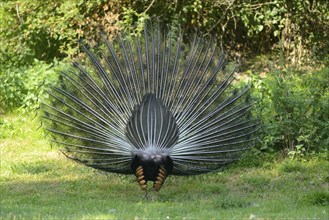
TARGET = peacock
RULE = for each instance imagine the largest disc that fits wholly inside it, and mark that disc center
(151, 105)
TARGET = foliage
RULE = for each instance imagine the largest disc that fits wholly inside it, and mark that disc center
(295, 29)
(294, 107)
(43, 30)
(24, 87)
(12, 89)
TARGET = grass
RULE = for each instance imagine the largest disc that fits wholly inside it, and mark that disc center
(38, 182)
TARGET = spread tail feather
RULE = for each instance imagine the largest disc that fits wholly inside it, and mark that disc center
(154, 91)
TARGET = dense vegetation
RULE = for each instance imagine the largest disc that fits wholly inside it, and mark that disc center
(295, 30)
(281, 46)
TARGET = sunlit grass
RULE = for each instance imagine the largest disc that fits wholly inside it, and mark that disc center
(37, 181)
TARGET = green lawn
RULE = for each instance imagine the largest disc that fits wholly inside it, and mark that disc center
(38, 182)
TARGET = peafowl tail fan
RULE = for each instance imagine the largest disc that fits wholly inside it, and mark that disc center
(151, 106)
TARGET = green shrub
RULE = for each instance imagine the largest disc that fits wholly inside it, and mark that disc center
(47, 29)
(294, 107)
(12, 89)
(25, 87)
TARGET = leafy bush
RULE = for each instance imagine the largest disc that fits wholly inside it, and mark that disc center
(295, 29)
(294, 110)
(46, 29)
(24, 87)
(12, 89)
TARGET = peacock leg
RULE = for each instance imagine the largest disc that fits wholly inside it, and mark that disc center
(140, 178)
(162, 175)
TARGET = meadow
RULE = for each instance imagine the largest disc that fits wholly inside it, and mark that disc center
(38, 182)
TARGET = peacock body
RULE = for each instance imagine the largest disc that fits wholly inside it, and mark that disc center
(151, 106)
